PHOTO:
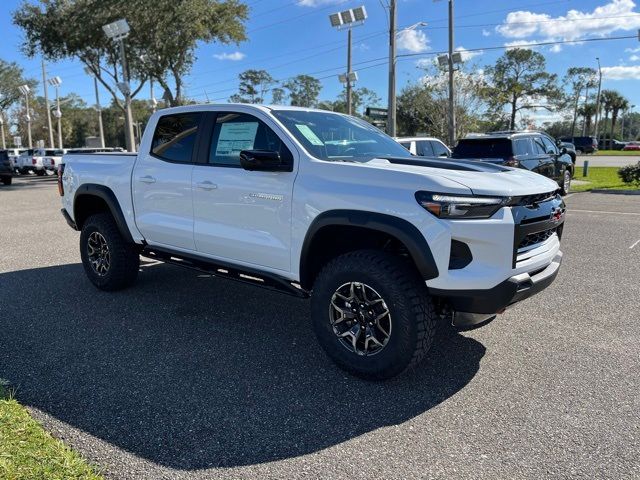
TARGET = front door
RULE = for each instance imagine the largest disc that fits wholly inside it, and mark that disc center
(162, 195)
(242, 216)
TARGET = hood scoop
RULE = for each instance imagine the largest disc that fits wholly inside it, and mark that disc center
(460, 165)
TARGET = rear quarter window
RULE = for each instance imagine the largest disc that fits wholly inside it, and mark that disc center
(483, 148)
(175, 137)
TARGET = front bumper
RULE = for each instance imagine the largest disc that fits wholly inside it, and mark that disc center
(476, 306)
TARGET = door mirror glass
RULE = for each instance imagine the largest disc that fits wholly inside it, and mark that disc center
(263, 161)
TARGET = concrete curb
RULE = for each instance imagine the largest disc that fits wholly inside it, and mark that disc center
(616, 192)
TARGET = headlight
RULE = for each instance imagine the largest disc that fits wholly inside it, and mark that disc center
(443, 205)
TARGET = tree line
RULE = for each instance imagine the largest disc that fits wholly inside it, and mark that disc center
(162, 49)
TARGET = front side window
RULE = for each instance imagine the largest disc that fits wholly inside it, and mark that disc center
(334, 137)
(234, 132)
(483, 148)
(538, 146)
(439, 150)
(175, 137)
(549, 147)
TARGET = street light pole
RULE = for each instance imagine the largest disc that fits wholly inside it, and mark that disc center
(118, 31)
(4, 145)
(46, 102)
(56, 82)
(88, 71)
(391, 112)
(452, 111)
(127, 101)
(24, 89)
(348, 71)
(598, 98)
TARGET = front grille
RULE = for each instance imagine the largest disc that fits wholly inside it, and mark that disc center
(532, 200)
(535, 238)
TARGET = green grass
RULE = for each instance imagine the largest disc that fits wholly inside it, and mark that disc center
(28, 452)
(600, 177)
(619, 153)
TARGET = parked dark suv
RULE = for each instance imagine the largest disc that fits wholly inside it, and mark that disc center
(535, 151)
(6, 172)
(583, 144)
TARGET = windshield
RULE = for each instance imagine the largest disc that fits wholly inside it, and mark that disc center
(328, 136)
(483, 148)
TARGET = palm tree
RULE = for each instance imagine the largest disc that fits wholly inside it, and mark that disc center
(606, 100)
(587, 111)
(619, 104)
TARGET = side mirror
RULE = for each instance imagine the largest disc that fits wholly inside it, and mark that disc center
(563, 150)
(263, 161)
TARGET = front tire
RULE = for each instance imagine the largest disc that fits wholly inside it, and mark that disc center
(372, 314)
(7, 180)
(110, 262)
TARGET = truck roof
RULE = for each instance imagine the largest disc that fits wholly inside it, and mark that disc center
(241, 106)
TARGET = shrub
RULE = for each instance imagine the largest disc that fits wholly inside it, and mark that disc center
(630, 174)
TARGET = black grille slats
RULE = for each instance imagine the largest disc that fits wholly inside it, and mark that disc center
(535, 238)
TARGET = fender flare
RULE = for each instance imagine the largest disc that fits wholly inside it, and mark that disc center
(107, 195)
(404, 231)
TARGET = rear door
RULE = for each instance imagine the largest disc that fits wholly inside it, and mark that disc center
(544, 162)
(551, 165)
(162, 195)
(243, 216)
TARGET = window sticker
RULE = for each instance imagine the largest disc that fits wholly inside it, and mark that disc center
(309, 135)
(234, 137)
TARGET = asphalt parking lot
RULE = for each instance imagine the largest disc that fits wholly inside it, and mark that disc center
(190, 376)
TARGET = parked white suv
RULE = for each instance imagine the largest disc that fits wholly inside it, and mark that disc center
(425, 146)
(320, 204)
(14, 153)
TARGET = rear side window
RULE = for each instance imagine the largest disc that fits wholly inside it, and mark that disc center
(423, 148)
(538, 146)
(406, 145)
(483, 148)
(522, 147)
(175, 137)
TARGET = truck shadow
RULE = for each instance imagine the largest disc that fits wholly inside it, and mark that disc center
(190, 371)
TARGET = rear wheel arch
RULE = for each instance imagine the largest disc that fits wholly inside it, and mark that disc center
(337, 232)
(90, 199)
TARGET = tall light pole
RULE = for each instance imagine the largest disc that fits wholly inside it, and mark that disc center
(4, 145)
(24, 89)
(118, 31)
(598, 98)
(88, 71)
(56, 82)
(391, 107)
(46, 102)
(452, 109)
(348, 19)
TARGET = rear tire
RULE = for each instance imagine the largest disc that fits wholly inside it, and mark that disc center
(110, 262)
(566, 182)
(7, 180)
(389, 283)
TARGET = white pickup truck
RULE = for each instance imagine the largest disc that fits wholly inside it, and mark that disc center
(320, 204)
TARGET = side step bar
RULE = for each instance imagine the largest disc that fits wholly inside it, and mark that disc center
(223, 270)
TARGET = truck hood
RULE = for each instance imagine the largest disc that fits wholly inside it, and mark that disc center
(481, 178)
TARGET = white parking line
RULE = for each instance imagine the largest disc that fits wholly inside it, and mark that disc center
(602, 211)
(637, 242)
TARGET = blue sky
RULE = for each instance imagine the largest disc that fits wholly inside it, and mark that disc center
(289, 37)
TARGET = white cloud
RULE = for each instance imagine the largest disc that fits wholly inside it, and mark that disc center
(466, 54)
(235, 56)
(632, 50)
(613, 16)
(634, 58)
(426, 62)
(486, 33)
(413, 41)
(621, 72)
(556, 48)
(525, 44)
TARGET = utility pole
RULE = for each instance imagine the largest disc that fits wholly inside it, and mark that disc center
(586, 110)
(46, 102)
(4, 145)
(391, 112)
(154, 102)
(348, 71)
(452, 111)
(24, 90)
(118, 31)
(88, 71)
(56, 82)
(598, 98)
